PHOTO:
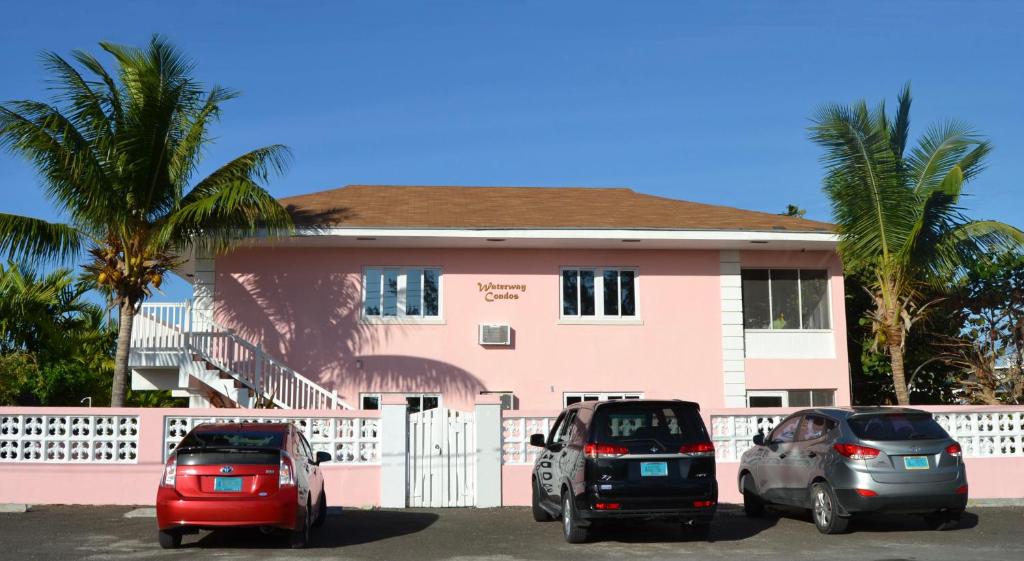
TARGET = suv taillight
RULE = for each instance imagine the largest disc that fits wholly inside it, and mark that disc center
(595, 450)
(856, 452)
(286, 471)
(698, 450)
(954, 450)
(169, 471)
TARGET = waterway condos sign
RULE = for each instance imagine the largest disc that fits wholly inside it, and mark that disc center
(495, 292)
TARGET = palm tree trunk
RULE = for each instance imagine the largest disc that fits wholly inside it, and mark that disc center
(126, 319)
(899, 377)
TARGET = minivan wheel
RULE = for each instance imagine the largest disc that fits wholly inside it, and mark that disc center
(169, 539)
(299, 537)
(539, 514)
(825, 510)
(753, 505)
(573, 532)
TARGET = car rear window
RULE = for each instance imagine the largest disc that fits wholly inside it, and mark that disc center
(204, 448)
(661, 422)
(233, 439)
(896, 426)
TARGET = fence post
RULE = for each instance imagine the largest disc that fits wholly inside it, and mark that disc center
(487, 416)
(258, 371)
(394, 457)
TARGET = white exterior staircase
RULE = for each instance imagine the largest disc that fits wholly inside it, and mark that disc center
(173, 334)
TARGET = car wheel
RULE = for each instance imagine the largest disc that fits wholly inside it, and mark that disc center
(539, 514)
(321, 511)
(570, 526)
(169, 539)
(753, 505)
(825, 510)
(299, 537)
(942, 521)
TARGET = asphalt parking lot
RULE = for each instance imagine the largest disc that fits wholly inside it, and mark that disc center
(509, 534)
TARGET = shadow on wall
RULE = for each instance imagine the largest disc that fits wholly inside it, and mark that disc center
(318, 332)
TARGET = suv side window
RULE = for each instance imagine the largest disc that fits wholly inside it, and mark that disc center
(815, 427)
(557, 427)
(566, 428)
(786, 432)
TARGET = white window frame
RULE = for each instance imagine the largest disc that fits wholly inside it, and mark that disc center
(601, 396)
(799, 300)
(401, 317)
(784, 394)
(599, 317)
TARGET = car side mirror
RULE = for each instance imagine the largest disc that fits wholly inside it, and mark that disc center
(759, 439)
(322, 457)
(538, 440)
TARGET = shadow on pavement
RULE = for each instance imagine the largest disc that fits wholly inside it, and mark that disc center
(342, 528)
(878, 522)
(729, 525)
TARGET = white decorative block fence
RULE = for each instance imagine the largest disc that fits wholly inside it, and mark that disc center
(83, 439)
(734, 434)
(515, 438)
(349, 440)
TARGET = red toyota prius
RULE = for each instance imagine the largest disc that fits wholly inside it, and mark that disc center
(235, 475)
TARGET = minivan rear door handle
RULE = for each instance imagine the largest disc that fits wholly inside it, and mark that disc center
(811, 454)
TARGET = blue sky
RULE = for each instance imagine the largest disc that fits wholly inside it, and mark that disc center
(706, 101)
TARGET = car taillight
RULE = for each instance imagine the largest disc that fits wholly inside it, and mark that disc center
(286, 471)
(866, 493)
(954, 450)
(961, 490)
(169, 470)
(595, 450)
(607, 506)
(703, 504)
(698, 450)
(855, 452)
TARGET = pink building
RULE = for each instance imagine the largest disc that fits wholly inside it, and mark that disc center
(546, 296)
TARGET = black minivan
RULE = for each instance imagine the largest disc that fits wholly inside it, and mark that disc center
(631, 459)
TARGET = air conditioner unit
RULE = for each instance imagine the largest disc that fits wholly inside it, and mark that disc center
(495, 334)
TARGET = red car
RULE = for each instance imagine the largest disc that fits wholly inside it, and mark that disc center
(235, 475)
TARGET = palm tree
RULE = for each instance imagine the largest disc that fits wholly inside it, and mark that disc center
(118, 156)
(898, 212)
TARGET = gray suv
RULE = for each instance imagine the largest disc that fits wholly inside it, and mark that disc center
(840, 462)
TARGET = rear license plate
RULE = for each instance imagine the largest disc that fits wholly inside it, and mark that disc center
(653, 469)
(227, 484)
(915, 462)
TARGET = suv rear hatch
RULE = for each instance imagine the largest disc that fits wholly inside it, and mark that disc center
(650, 455)
(229, 465)
(912, 447)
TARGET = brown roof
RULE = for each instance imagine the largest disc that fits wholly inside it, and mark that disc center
(392, 206)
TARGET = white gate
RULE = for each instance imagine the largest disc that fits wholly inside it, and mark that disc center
(442, 449)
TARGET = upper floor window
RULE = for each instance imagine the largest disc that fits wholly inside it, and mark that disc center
(400, 292)
(599, 293)
(785, 299)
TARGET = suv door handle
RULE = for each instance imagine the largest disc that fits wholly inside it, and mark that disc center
(811, 455)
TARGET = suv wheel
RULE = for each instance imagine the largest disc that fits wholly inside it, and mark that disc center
(539, 514)
(570, 527)
(753, 505)
(299, 537)
(825, 510)
(169, 539)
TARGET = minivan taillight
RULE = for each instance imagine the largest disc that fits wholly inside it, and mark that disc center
(286, 471)
(595, 450)
(698, 450)
(954, 450)
(856, 452)
(169, 471)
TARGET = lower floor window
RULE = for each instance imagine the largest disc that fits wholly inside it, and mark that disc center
(791, 398)
(569, 398)
(416, 401)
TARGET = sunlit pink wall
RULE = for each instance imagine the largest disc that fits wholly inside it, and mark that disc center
(303, 304)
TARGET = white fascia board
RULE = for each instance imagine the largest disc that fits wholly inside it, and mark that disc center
(577, 234)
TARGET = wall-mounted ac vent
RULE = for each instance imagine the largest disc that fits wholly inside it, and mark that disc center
(495, 334)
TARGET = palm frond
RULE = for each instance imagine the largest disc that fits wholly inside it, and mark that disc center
(943, 146)
(899, 130)
(33, 239)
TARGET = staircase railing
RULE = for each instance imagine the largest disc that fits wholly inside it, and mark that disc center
(172, 326)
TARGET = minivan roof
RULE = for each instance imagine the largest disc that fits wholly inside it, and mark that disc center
(595, 404)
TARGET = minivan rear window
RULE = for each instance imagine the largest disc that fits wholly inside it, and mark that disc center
(896, 426)
(663, 423)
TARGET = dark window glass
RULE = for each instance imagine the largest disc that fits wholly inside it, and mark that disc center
(786, 432)
(756, 298)
(785, 299)
(430, 402)
(896, 426)
(570, 293)
(415, 404)
(556, 427)
(233, 439)
(586, 293)
(611, 293)
(814, 299)
(627, 293)
(815, 427)
(413, 291)
(765, 401)
(821, 398)
(371, 402)
(566, 427)
(431, 294)
(799, 398)
(591, 398)
(371, 282)
(389, 305)
(569, 400)
(664, 424)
